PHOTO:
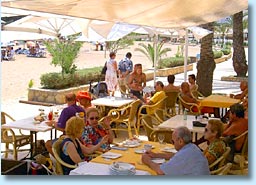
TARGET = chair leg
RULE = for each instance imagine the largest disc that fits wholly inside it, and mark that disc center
(6, 150)
(241, 165)
(15, 152)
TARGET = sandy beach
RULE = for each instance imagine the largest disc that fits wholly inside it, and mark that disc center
(15, 75)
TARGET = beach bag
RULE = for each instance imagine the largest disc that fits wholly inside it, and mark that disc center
(104, 69)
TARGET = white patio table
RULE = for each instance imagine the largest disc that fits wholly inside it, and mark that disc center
(178, 120)
(111, 101)
(30, 125)
(93, 168)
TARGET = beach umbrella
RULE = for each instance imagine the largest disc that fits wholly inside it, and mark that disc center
(53, 26)
(163, 13)
(107, 31)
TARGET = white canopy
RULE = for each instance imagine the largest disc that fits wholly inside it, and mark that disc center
(53, 26)
(154, 13)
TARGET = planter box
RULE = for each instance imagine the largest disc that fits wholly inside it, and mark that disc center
(58, 96)
(53, 96)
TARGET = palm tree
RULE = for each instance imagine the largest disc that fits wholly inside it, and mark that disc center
(206, 64)
(223, 29)
(149, 51)
(239, 59)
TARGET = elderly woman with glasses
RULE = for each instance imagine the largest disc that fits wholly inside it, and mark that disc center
(94, 132)
(216, 146)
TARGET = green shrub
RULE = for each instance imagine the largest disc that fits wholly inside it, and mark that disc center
(80, 77)
(171, 62)
(217, 54)
(226, 51)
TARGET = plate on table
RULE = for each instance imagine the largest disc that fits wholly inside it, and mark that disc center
(111, 155)
(131, 143)
(158, 160)
(169, 150)
(122, 168)
(140, 151)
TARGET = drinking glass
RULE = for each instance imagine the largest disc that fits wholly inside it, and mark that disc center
(161, 138)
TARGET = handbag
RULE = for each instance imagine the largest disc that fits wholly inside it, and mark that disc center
(104, 69)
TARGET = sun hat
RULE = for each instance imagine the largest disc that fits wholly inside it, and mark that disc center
(83, 94)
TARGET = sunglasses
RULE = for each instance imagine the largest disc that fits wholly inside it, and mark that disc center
(94, 118)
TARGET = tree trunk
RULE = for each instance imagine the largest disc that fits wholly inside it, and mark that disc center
(206, 64)
(239, 59)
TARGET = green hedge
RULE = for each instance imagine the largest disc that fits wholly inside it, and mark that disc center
(171, 62)
(81, 77)
(217, 54)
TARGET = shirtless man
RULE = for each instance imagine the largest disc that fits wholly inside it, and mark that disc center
(236, 126)
(171, 86)
(137, 81)
(244, 89)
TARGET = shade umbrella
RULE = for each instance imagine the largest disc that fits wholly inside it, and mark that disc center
(107, 31)
(53, 26)
(163, 13)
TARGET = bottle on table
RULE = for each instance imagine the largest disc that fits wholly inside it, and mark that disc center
(185, 114)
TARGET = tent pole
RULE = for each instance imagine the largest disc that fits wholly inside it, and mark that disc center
(186, 56)
(155, 55)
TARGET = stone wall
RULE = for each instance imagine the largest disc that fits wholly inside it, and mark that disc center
(58, 96)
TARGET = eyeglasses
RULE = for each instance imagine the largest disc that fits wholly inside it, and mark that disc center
(94, 118)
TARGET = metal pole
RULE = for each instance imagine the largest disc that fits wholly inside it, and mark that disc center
(155, 55)
(186, 56)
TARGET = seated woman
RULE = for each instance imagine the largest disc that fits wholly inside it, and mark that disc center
(94, 132)
(72, 150)
(216, 146)
(84, 99)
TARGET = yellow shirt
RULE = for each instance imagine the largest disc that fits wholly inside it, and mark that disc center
(158, 96)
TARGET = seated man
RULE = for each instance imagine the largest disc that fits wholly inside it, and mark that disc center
(189, 160)
(244, 91)
(187, 97)
(236, 126)
(66, 113)
(158, 96)
(171, 86)
(192, 82)
(243, 96)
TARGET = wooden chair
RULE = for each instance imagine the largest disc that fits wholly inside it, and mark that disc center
(149, 122)
(224, 170)
(56, 148)
(189, 106)
(8, 136)
(162, 115)
(126, 115)
(124, 89)
(197, 95)
(159, 105)
(171, 102)
(221, 160)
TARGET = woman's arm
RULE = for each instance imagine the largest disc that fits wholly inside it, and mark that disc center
(72, 152)
(89, 150)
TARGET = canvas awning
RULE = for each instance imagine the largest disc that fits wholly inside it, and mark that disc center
(160, 13)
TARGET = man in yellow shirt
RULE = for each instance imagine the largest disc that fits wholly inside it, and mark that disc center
(158, 96)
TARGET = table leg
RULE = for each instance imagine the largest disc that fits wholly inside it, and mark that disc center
(31, 144)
